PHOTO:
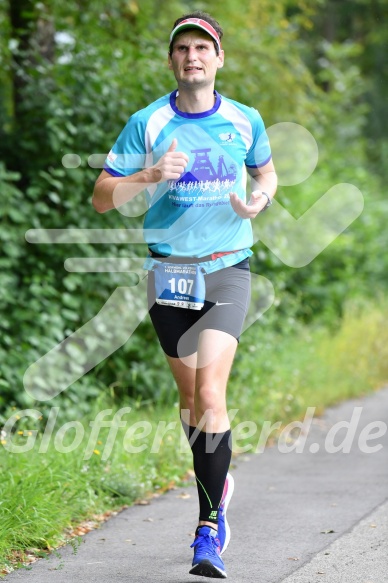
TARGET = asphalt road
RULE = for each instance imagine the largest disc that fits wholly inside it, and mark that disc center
(313, 516)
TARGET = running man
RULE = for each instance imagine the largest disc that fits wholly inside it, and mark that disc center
(190, 151)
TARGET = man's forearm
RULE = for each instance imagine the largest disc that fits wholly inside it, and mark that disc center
(266, 182)
(111, 192)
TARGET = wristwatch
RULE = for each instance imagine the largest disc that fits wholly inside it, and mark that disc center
(269, 201)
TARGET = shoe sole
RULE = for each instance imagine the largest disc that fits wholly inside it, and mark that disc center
(229, 495)
(206, 569)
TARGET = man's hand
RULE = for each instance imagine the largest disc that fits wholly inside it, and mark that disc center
(170, 166)
(248, 211)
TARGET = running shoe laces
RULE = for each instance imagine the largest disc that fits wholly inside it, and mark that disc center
(207, 561)
(206, 543)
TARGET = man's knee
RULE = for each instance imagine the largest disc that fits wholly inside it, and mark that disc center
(210, 396)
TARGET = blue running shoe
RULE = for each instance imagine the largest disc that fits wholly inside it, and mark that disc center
(223, 526)
(207, 561)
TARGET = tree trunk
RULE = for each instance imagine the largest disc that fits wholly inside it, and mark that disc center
(34, 32)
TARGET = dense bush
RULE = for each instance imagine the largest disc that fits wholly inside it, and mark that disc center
(74, 98)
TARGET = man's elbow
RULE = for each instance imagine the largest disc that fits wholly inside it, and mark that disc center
(99, 205)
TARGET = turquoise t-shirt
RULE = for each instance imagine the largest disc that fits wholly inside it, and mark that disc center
(192, 216)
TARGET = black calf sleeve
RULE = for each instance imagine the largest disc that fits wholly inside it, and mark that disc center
(211, 457)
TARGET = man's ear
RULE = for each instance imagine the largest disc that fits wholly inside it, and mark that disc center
(220, 60)
(169, 61)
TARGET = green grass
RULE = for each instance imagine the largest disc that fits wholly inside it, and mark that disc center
(44, 495)
(315, 367)
(275, 378)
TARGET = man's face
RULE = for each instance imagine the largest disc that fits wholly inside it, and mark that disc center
(194, 59)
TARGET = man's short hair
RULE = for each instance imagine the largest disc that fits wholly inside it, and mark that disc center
(203, 16)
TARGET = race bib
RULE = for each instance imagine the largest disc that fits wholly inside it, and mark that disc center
(180, 285)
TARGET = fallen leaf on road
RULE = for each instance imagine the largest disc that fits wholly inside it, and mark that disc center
(293, 558)
(184, 496)
(327, 531)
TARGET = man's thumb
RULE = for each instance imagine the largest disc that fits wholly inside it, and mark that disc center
(173, 146)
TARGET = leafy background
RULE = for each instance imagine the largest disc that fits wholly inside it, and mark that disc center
(70, 76)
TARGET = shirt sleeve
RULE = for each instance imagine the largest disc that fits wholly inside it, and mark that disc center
(259, 153)
(128, 154)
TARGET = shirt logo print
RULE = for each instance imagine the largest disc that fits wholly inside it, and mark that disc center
(227, 137)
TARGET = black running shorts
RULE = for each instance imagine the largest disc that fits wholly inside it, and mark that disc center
(225, 308)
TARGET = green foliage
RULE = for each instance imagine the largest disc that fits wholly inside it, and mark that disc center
(45, 495)
(352, 265)
(312, 366)
(70, 78)
(71, 115)
(363, 26)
